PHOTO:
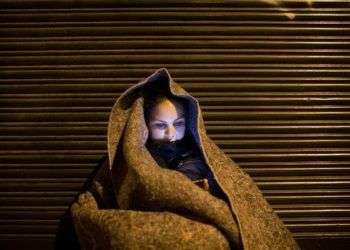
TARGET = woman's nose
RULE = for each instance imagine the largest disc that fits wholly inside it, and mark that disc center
(171, 133)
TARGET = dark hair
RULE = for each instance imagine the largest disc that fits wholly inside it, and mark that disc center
(151, 100)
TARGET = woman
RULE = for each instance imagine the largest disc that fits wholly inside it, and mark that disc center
(171, 144)
(166, 185)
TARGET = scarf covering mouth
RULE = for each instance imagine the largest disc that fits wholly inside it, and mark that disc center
(169, 151)
(131, 202)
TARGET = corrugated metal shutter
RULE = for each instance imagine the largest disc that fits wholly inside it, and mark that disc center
(275, 94)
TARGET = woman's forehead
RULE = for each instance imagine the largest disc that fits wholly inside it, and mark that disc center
(167, 109)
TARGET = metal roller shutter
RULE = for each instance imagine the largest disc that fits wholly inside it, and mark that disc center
(275, 94)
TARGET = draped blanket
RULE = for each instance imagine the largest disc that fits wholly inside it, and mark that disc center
(133, 203)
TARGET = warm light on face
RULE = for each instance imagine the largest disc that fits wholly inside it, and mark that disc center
(167, 121)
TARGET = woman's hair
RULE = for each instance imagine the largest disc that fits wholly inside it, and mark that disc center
(152, 99)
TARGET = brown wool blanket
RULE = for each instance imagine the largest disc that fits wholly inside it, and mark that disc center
(133, 203)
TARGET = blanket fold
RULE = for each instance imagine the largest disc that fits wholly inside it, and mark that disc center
(133, 203)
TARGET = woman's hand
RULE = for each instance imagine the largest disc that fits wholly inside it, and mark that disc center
(203, 183)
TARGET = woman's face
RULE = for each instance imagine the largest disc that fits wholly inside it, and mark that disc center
(167, 121)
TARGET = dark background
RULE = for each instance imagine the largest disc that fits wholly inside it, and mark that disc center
(274, 91)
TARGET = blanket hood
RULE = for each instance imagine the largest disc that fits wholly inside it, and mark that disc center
(161, 82)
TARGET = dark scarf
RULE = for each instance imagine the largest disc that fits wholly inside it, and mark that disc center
(183, 156)
(169, 154)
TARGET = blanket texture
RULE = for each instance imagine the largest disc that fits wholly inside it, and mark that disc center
(133, 203)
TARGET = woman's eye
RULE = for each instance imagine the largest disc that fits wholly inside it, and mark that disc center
(179, 124)
(160, 126)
